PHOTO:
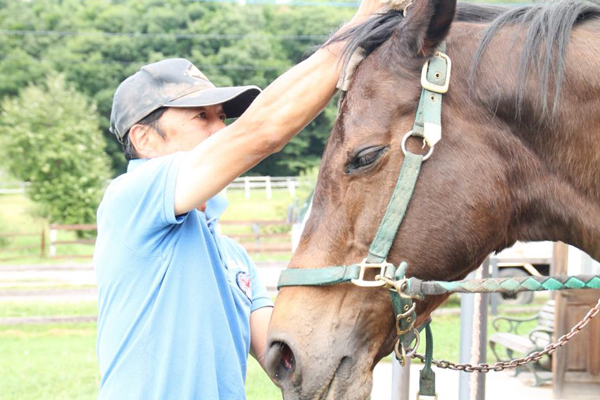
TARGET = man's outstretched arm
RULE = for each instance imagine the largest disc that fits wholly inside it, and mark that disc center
(284, 108)
(259, 325)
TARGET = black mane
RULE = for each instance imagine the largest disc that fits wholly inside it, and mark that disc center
(549, 26)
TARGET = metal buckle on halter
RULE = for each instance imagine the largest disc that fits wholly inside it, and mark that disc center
(409, 320)
(364, 265)
(432, 87)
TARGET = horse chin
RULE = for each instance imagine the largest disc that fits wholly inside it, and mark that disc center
(348, 382)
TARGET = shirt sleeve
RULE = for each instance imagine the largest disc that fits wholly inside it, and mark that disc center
(141, 203)
(260, 296)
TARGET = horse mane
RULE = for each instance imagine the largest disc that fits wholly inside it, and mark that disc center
(549, 25)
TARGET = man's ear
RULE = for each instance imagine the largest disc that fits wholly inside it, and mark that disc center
(426, 24)
(141, 140)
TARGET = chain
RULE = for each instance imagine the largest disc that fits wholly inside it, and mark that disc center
(535, 356)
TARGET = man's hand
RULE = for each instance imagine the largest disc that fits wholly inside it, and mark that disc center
(282, 110)
(365, 10)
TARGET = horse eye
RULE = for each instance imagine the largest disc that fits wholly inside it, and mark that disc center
(364, 158)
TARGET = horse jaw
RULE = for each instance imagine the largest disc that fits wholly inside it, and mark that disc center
(335, 346)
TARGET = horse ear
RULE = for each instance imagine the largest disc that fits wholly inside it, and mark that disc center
(426, 24)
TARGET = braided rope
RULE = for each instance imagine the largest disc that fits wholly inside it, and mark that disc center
(419, 288)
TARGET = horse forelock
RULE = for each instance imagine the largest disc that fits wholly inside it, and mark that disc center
(547, 28)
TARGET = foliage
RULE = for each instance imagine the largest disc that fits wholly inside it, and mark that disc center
(96, 44)
(51, 138)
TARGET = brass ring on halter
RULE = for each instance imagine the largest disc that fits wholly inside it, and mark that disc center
(413, 351)
(405, 138)
(400, 353)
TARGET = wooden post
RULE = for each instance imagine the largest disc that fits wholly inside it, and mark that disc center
(247, 187)
(576, 366)
(43, 244)
(256, 231)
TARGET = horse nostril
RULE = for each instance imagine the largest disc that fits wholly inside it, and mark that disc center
(287, 357)
(281, 361)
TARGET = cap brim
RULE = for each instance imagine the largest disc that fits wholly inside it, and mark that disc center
(235, 99)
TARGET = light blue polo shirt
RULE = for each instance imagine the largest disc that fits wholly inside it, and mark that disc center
(174, 297)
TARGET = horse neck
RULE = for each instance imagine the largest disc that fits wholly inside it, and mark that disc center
(551, 164)
(554, 160)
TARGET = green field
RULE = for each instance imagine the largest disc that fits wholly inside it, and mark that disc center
(17, 215)
(42, 362)
(58, 361)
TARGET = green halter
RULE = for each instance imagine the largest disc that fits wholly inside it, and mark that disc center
(435, 80)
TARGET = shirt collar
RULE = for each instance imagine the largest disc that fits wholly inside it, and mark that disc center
(214, 207)
(133, 164)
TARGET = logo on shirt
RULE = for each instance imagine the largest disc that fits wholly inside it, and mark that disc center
(244, 283)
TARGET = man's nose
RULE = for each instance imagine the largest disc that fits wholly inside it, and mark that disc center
(217, 125)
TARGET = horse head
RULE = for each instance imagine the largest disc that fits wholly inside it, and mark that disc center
(488, 183)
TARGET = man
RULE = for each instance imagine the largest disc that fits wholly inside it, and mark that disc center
(180, 307)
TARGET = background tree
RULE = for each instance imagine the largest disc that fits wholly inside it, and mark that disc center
(98, 43)
(50, 137)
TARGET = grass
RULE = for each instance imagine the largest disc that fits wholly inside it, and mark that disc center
(17, 215)
(48, 362)
(258, 207)
(59, 361)
(28, 309)
(258, 384)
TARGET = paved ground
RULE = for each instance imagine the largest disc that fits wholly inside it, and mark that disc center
(77, 281)
(499, 385)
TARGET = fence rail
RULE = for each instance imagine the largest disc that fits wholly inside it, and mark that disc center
(247, 184)
(8, 253)
(54, 242)
(8, 187)
(257, 240)
(268, 183)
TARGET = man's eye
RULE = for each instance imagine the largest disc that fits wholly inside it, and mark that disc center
(202, 115)
(364, 158)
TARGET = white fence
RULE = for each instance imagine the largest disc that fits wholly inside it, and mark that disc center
(247, 184)
(13, 187)
(266, 183)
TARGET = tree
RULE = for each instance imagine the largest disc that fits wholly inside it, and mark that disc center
(96, 44)
(50, 137)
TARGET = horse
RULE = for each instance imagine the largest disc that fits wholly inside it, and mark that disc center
(519, 159)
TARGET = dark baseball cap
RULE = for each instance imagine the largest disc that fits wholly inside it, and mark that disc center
(175, 82)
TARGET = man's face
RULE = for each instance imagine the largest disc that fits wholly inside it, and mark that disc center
(185, 128)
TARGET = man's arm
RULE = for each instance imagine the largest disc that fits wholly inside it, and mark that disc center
(259, 324)
(283, 109)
